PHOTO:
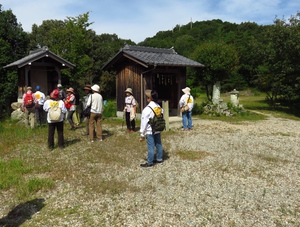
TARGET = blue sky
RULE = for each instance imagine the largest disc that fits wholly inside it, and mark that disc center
(139, 19)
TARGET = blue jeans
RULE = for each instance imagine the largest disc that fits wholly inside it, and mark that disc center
(187, 120)
(154, 140)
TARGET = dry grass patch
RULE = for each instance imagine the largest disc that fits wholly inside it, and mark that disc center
(193, 155)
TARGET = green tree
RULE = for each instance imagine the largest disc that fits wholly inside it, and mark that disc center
(13, 43)
(220, 60)
(278, 75)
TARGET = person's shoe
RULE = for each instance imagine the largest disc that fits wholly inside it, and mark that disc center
(99, 139)
(127, 130)
(131, 130)
(147, 164)
(158, 162)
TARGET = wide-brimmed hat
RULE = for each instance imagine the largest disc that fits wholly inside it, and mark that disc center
(70, 89)
(129, 90)
(186, 90)
(87, 87)
(95, 88)
(29, 88)
(59, 85)
(54, 94)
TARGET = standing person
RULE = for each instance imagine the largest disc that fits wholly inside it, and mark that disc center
(62, 93)
(40, 99)
(187, 100)
(70, 105)
(88, 91)
(76, 117)
(58, 124)
(28, 107)
(130, 110)
(153, 139)
(96, 102)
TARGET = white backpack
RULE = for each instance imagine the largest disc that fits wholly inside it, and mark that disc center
(54, 111)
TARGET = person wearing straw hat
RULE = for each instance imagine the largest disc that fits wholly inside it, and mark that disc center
(130, 110)
(187, 101)
(153, 139)
(95, 101)
(70, 105)
(88, 92)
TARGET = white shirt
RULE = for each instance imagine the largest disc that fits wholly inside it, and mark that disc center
(146, 114)
(186, 99)
(61, 105)
(97, 103)
(130, 102)
(40, 97)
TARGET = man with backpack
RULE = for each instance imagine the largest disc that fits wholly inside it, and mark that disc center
(56, 111)
(150, 131)
(28, 107)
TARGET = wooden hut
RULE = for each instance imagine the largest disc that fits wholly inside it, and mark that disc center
(142, 68)
(41, 67)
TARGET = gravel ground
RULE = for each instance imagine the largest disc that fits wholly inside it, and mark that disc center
(251, 177)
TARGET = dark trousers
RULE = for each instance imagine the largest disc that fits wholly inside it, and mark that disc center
(60, 132)
(39, 112)
(70, 117)
(130, 124)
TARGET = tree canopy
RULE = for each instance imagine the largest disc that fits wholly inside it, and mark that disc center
(240, 55)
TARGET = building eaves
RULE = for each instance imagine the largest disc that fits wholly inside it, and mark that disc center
(38, 54)
(147, 56)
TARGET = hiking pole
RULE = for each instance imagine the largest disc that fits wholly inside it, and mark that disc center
(123, 119)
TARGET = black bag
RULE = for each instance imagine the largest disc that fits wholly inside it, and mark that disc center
(86, 112)
(157, 123)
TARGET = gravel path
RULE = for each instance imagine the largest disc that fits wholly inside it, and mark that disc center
(251, 177)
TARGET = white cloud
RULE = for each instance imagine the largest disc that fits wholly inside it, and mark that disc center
(139, 19)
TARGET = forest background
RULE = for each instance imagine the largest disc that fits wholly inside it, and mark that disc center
(260, 57)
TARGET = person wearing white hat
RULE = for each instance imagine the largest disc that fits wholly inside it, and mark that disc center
(130, 110)
(95, 101)
(186, 104)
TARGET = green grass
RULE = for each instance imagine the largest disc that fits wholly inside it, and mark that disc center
(252, 101)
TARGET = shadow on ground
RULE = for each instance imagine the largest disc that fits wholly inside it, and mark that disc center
(21, 213)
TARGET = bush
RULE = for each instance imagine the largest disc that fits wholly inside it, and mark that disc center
(110, 109)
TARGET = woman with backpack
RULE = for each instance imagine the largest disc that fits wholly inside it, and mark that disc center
(56, 111)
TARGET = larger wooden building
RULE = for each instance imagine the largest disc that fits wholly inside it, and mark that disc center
(142, 68)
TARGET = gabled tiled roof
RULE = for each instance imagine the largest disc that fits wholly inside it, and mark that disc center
(38, 54)
(150, 56)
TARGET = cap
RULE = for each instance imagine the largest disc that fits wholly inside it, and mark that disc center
(54, 94)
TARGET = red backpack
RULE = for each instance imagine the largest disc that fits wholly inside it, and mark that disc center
(28, 100)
